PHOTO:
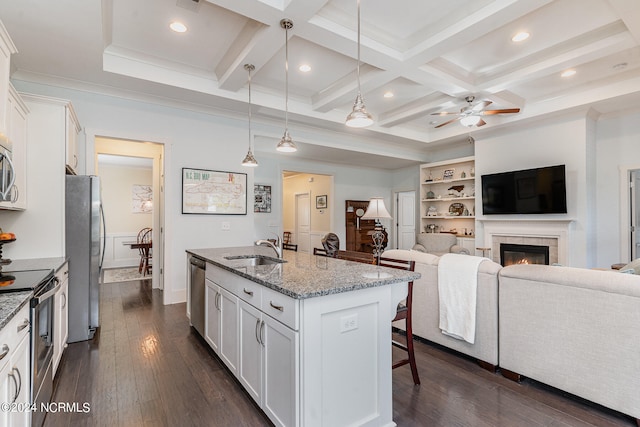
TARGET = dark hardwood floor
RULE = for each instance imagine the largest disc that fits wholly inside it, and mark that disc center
(146, 367)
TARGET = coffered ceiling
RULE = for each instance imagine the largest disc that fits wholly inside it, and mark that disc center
(429, 54)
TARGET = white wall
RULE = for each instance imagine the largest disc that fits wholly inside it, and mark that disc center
(562, 141)
(617, 149)
(117, 182)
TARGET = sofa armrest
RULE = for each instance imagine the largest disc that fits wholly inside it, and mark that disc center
(457, 249)
(418, 247)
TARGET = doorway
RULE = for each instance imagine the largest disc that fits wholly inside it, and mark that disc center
(405, 219)
(141, 162)
(634, 217)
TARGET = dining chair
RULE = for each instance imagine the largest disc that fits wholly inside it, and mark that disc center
(145, 236)
(364, 257)
(286, 237)
(331, 243)
(290, 247)
(321, 252)
(403, 312)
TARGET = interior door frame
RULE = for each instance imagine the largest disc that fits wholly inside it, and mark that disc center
(396, 202)
(295, 216)
(625, 211)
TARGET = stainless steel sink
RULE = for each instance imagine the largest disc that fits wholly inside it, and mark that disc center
(253, 260)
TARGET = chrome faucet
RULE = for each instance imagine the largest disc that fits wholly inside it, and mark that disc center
(277, 246)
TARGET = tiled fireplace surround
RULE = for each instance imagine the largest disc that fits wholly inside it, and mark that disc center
(548, 232)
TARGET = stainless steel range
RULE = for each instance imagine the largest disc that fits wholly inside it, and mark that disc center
(44, 285)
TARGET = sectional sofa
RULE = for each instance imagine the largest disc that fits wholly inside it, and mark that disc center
(575, 329)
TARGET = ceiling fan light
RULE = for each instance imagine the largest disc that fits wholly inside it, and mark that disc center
(249, 160)
(359, 116)
(286, 144)
(470, 121)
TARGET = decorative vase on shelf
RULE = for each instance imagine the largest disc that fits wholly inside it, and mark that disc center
(473, 172)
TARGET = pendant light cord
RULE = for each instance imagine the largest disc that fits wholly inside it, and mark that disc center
(286, 85)
(358, 65)
(249, 109)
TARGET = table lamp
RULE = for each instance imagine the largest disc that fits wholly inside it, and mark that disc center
(376, 211)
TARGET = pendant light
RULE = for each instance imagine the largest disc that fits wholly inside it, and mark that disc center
(286, 144)
(249, 160)
(359, 117)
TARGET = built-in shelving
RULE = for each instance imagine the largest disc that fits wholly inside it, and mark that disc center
(454, 207)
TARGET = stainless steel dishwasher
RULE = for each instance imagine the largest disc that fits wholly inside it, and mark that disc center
(196, 292)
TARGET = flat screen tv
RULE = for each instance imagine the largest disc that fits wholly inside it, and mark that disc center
(530, 191)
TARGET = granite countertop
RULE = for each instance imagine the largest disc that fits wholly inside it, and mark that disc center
(304, 275)
(12, 302)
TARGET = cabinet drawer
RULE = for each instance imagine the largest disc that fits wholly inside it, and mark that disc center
(13, 332)
(222, 278)
(250, 292)
(284, 309)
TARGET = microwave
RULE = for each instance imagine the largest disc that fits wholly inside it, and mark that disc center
(7, 174)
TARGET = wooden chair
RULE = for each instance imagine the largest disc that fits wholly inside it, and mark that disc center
(321, 252)
(286, 237)
(145, 236)
(364, 257)
(404, 312)
(290, 247)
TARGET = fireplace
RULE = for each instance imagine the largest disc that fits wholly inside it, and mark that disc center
(511, 253)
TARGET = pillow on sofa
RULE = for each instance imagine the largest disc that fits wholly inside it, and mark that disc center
(633, 265)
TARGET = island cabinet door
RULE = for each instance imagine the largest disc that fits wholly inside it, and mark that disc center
(281, 373)
(228, 304)
(250, 364)
(212, 315)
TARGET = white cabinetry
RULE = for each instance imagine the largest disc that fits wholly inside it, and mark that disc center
(447, 198)
(15, 372)
(72, 129)
(17, 133)
(61, 317)
(6, 49)
(261, 351)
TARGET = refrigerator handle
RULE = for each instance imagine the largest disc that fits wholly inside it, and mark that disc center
(104, 237)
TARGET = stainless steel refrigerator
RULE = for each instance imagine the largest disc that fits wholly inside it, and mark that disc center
(83, 221)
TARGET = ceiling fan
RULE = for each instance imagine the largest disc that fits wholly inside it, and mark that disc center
(471, 114)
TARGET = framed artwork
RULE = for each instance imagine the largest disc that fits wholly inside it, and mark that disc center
(141, 199)
(321, 202)
(213, 192)
(262, 198)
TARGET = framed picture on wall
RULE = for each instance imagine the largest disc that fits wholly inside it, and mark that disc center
(262, 198)
(321, 202)
(213, 192)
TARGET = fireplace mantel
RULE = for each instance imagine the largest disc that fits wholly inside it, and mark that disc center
(547, 228)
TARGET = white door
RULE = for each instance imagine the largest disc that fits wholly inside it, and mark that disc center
(212, 316)
(406, 219)
(303, 225)
(250, 364)
(229, 329)
(634, 202)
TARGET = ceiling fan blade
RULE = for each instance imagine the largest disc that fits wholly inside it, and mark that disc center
(443, 113)
(446, 123)
(481, 123)
(503, 111)
(480, 106)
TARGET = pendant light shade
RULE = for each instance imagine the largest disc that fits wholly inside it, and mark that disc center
(286, 144)
(359, 117)
(249, 159)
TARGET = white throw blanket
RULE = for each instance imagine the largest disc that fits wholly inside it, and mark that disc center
(457, 287)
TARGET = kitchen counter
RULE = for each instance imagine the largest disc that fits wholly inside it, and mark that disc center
(304, 275)
(12, 302)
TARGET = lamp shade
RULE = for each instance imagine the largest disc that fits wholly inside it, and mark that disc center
(376, 209)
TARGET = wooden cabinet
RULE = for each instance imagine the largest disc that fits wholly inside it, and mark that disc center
(15, 370)
(61, 318)
(359, 231)
(447, 197)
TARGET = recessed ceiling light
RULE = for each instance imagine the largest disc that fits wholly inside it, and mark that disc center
(568, 73)
(521, 36)
(305, 68)
(388, 94)
(178, 27)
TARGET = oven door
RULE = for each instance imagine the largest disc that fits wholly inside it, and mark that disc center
(42, 312)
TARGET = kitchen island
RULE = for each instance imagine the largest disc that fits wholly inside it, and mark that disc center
(308, 337)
